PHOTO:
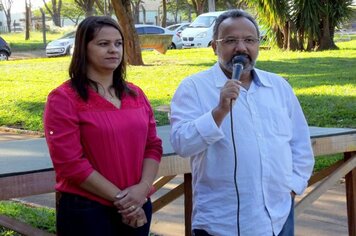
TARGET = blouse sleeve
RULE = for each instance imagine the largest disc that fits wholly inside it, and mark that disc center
(62, 132)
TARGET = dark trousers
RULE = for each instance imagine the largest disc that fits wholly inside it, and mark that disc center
(78, 216)
(287, 230)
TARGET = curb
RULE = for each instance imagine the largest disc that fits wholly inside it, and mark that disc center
(21, 131)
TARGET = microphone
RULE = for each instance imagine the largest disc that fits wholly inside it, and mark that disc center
(238, 63)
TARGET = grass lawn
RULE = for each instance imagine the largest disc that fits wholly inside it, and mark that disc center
(325, 83)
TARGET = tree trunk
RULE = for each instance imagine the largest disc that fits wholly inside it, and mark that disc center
(332, 34)
(8, 19)
(123, 14)
(279, 38)
(136, 13)
(325, 41)
(176, 13)
(57, 19)
(292, 37)
(164, 14)
(285, 36)
(28, 19)
(301, 40)
(55, 12)
(199, 6)
(310, 45)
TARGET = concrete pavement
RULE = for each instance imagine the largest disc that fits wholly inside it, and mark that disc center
(326, 217)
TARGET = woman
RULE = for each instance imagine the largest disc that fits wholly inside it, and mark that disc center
(102, 139)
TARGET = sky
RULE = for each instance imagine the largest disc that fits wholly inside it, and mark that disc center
(19, 5)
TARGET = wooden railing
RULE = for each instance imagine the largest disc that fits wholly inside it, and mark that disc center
(15, 185)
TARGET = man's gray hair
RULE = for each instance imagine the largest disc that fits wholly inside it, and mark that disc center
(236, 13)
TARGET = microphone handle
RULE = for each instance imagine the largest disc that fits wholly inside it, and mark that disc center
(236, 71)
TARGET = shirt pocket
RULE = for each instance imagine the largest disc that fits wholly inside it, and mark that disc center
(277, 121)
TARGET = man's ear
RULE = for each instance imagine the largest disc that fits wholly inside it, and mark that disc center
(213, 45)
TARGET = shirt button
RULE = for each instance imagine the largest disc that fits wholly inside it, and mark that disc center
(51, 132)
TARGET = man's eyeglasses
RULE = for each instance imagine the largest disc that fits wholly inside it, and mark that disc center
(235, 41)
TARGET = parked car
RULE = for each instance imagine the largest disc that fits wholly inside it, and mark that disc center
(5, 50)
(154, 29)
(200, 32)
(61, 46)
(177, 38)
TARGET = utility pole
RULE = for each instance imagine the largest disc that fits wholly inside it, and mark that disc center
(211, 5)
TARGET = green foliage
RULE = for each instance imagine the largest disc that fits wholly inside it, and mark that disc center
(39, 217)
(6, 232)
(179, 7)
(72, 11)
(323, 162)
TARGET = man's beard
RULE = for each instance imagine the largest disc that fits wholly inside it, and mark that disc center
(229, 66)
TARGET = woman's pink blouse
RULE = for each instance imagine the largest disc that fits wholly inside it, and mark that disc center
(95, 135)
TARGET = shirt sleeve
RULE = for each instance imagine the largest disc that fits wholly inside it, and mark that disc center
(302, 152)
(61, 126)
(153, 148)
(192, 131)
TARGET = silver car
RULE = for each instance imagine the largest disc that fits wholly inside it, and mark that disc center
(61, 46)
(177, 38)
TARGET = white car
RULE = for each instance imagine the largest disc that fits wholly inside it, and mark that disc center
(199, 34)
(61, 46)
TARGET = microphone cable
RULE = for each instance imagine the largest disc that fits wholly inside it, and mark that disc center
(235, 171)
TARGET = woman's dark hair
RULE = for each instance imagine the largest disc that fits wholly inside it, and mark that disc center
(236, 13)
(86, 32)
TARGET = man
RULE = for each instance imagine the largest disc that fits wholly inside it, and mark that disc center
(274, 156)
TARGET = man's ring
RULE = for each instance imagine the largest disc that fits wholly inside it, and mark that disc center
(132, 208)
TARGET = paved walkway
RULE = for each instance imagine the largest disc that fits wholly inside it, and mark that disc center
(326, 217)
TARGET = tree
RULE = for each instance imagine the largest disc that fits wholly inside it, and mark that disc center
(87, 6)
(297, 21)
(123, 13)
(54, 10)
(6, 7)
(179, 6)
(199, 6)
(72, 11)
(135, 4)
(334, 13)
(230, 4)
(104, 7)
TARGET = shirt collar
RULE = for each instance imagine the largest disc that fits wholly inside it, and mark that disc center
(259, 79)
(220, 77)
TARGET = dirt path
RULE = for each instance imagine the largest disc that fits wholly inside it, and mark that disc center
(27, 55)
